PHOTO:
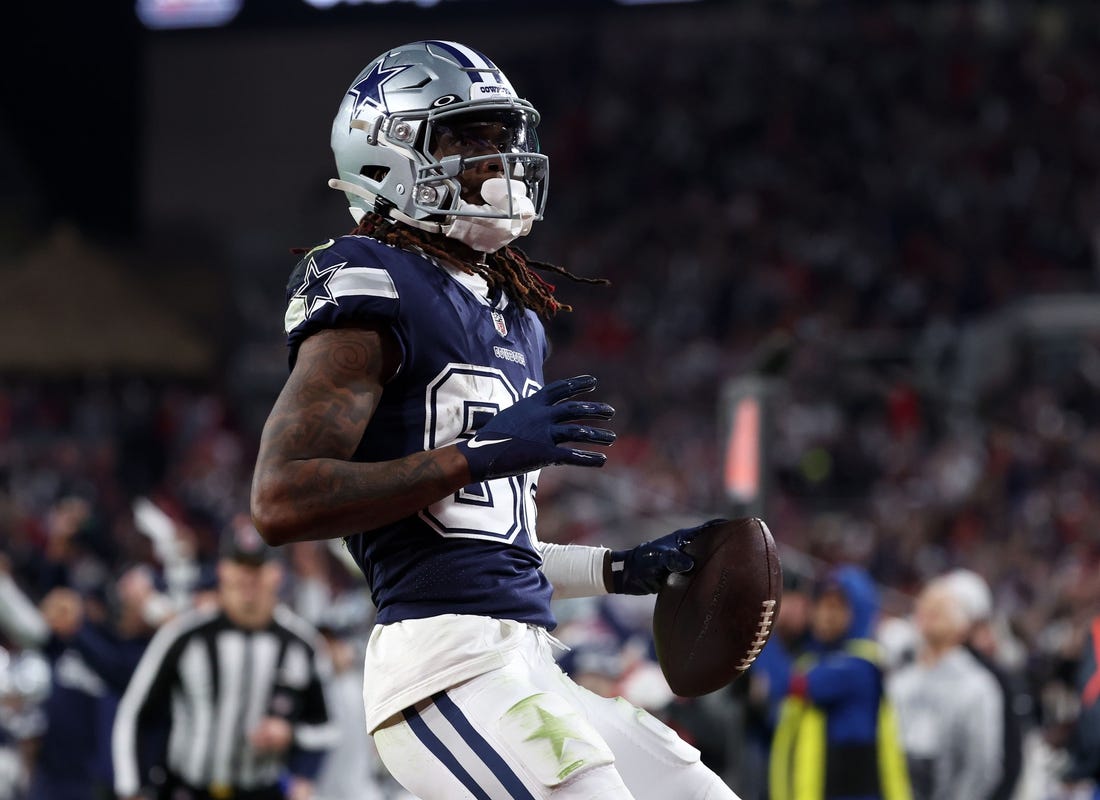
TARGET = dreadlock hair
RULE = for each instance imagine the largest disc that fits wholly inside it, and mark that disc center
(509, 268)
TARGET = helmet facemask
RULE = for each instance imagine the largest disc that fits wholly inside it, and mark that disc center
(482, 144)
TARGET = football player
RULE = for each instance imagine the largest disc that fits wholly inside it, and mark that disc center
(414, 424)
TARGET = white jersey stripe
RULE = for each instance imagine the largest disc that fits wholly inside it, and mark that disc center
(265, 649)
(198, 681)
(231, 673)
(362, 281)
(295, 314)
(181, 742)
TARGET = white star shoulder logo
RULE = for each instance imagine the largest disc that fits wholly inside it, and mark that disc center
(315, 291)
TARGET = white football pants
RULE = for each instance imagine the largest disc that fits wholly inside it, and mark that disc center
(526, 732)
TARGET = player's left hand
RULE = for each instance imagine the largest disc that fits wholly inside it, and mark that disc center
(645, 568)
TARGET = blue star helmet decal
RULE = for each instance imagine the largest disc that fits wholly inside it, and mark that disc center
(368, 91)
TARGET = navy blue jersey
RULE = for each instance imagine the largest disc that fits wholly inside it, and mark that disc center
(464, 357)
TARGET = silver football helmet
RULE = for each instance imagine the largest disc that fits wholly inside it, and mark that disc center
(387, 125)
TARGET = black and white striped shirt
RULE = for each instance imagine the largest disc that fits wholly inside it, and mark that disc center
(215, 681)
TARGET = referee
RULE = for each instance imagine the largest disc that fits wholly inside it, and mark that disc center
(240, 687)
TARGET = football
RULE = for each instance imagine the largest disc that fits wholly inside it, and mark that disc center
(710, 623)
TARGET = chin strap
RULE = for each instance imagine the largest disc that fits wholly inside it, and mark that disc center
(358, 213)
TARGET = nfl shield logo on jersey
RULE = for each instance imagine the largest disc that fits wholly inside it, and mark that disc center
(498, 323)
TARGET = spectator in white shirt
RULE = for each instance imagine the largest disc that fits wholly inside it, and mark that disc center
(949, 707)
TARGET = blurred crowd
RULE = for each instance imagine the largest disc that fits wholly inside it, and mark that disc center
(838, 209)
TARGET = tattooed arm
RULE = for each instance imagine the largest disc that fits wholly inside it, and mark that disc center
(304, 486)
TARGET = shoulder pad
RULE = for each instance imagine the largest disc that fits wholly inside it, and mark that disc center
(334, 284)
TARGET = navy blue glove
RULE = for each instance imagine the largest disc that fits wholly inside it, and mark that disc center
(645, 568)
(526, 436)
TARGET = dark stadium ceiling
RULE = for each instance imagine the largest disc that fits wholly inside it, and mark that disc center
(199, 14)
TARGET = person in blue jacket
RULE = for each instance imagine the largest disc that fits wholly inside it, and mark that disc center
(92, 655)
(836, 738)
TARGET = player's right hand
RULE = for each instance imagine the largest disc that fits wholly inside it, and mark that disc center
(527, 435)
